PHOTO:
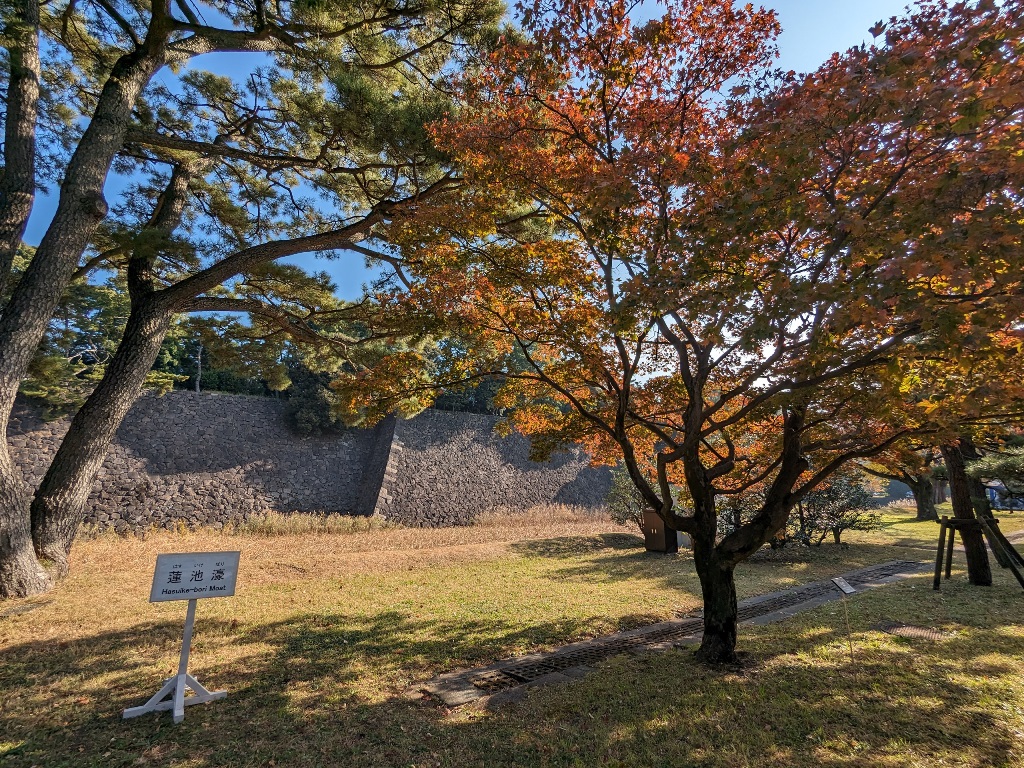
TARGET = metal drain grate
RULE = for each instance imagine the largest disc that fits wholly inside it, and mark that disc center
(913, 633)
(675, 632)
(518, 674)
(492, 682)
(787, 600)
(812, 591)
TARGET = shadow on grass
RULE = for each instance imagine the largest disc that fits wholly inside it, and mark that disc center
(615, 556)
(574, 546)
(321, 690)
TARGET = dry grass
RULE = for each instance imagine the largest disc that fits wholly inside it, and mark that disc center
(544, 516)
(303, 523)
(898, 504)
(328, 629)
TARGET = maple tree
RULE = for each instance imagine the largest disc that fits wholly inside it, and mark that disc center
(725, 281)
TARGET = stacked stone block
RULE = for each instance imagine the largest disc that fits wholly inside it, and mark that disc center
(212, 459)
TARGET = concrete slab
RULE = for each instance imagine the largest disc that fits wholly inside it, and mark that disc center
(578, 673)
(497, 700)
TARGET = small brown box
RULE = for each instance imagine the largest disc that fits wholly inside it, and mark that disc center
(658, 538)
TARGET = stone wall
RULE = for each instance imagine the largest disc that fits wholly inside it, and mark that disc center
(214, 458)
(445, 468)
(204, 458)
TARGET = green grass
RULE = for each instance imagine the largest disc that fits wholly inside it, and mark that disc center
(328, 632)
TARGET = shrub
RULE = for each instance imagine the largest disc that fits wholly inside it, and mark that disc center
(841, 504)
(309, 404)
(624, 501)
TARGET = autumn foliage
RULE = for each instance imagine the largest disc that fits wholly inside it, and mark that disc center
(724, 278)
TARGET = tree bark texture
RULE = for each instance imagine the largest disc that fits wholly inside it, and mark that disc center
(979, 571)
(21, 574)
(979, 495)
(718, 589)
(59, 504)
(923, 489)
(18, 181)
(716, 563)
(80, 209)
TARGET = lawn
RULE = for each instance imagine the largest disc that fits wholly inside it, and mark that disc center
(328, 632)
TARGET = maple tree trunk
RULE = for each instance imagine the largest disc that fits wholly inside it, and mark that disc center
(979, 571)
(718, 589)
(18, 180)
(924, 497)
(59, 504)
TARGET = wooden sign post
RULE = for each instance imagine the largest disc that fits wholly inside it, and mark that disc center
(188, 577)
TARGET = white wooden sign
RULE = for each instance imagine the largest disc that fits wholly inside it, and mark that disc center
(188, 576)
(194, 575)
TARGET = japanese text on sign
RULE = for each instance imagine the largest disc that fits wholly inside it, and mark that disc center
(194, 575)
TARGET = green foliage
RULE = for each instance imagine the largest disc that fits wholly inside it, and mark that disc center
(82, 337)
(624, 500)
(475, 398)
(842, 504)
(1007, 467)
(326, 127)
(309, 401)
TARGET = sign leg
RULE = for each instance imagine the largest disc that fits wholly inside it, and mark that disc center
(172, 695)
(186, 647)
(153, 704)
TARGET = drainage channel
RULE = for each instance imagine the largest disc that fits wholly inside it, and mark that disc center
(558, 661)
(457, 688)
(597, 651)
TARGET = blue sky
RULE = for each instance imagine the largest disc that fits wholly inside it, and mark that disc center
(812, 30)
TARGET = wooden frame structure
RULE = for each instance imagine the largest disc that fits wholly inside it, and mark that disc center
(996, 541)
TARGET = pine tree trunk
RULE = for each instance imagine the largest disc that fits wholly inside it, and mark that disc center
(59, 504)
(199, 367)
(718, 588)
(979, 496)
(21, 574)
(979, 571)
(18, 180)
(924, 497)
(80, 209)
